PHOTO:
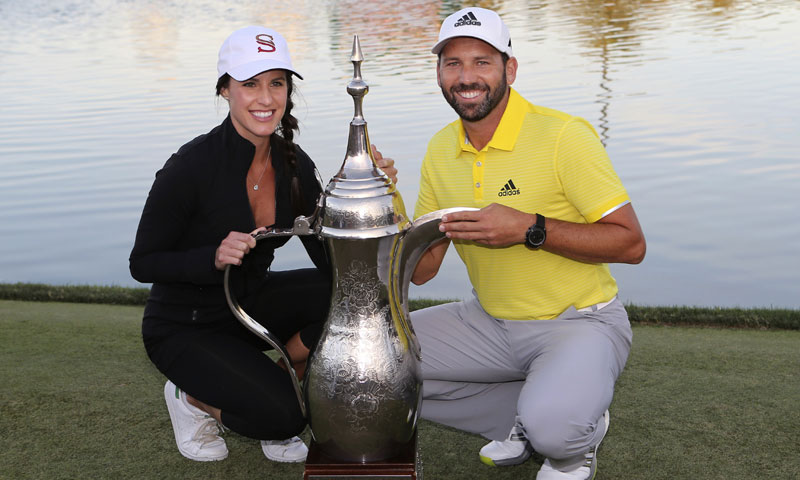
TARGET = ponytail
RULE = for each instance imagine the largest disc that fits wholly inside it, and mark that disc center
(288, 127)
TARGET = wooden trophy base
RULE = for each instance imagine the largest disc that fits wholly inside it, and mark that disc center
(405, 465)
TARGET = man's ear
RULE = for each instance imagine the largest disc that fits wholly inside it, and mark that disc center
(511, 70)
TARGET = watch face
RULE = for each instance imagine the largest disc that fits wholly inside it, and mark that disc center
(535, 237)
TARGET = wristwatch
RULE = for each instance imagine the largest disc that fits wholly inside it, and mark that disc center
(536, 234)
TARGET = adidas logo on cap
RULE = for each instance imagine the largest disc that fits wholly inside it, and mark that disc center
(468, 19)
(508, 190)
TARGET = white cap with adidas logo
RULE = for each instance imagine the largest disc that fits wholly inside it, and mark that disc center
(478, 23)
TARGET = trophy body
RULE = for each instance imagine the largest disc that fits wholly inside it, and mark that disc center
(363, 382)
(363, 386)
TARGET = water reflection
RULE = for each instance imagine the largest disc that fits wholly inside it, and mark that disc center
(696, 102)
(155, 35)
(393, 35)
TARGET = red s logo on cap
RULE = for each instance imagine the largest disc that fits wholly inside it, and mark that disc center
(267, 41)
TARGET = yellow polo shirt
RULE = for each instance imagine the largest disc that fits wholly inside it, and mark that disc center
(538, 161)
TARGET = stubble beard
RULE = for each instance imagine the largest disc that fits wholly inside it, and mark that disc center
(474, 113)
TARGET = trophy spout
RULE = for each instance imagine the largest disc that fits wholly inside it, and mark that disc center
(423, 233)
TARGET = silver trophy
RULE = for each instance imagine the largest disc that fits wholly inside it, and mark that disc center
(363, 384)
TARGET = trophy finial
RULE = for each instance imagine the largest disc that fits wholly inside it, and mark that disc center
(356, 56)
(357, 87)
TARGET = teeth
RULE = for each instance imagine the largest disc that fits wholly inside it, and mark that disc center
(262, 114)
(470, 94)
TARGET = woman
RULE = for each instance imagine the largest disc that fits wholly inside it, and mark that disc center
(204, 206)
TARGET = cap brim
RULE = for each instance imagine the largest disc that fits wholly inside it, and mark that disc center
(441, 43)
(250, 70)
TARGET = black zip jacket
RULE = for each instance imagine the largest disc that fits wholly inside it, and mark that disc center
(197, 198)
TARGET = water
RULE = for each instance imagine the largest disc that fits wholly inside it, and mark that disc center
(696, 101)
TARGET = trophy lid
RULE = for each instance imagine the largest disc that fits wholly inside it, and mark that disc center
(361, 201)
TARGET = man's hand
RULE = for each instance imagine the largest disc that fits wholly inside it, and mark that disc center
(496, 225)
(385, 164)
(615, 238)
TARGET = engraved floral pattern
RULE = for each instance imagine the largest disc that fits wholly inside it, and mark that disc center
(363, 383)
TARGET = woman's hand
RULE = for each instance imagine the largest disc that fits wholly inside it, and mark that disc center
(385, 164)
(233, 248)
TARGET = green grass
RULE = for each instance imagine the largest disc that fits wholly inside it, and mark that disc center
(80, 399)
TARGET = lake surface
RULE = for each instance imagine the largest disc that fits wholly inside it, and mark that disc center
(696, 101)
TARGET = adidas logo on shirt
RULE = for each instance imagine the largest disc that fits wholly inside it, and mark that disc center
(468, 19)
(508, 190)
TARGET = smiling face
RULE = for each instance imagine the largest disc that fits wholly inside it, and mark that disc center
(257, 104)
(473, 77)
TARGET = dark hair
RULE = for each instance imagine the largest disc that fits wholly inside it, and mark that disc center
(284, 142)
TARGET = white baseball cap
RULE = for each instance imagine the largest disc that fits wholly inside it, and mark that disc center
(252, 50)
(478, 23)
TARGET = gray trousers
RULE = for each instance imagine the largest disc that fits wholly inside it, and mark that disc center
(557, 376)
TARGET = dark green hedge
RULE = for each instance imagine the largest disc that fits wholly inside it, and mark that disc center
(38, 292)
(759, 318)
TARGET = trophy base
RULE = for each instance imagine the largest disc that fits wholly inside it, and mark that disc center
(405, 465)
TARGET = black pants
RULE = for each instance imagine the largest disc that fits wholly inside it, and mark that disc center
(223, 364)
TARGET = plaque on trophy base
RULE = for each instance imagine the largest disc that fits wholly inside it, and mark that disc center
(404, 466)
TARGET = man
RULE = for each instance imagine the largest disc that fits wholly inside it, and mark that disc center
(537, 352)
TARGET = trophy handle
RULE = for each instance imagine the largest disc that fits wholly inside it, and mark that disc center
(251, 324)
(302, 226)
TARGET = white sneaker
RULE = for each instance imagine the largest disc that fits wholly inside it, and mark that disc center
(291, 450)
(511, 451)
(196, 432)
(586, 471)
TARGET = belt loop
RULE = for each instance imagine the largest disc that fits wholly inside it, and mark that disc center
(597, 306)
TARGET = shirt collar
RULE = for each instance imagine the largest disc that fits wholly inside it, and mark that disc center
(239, 147)
(243, 149)
(507, 132)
